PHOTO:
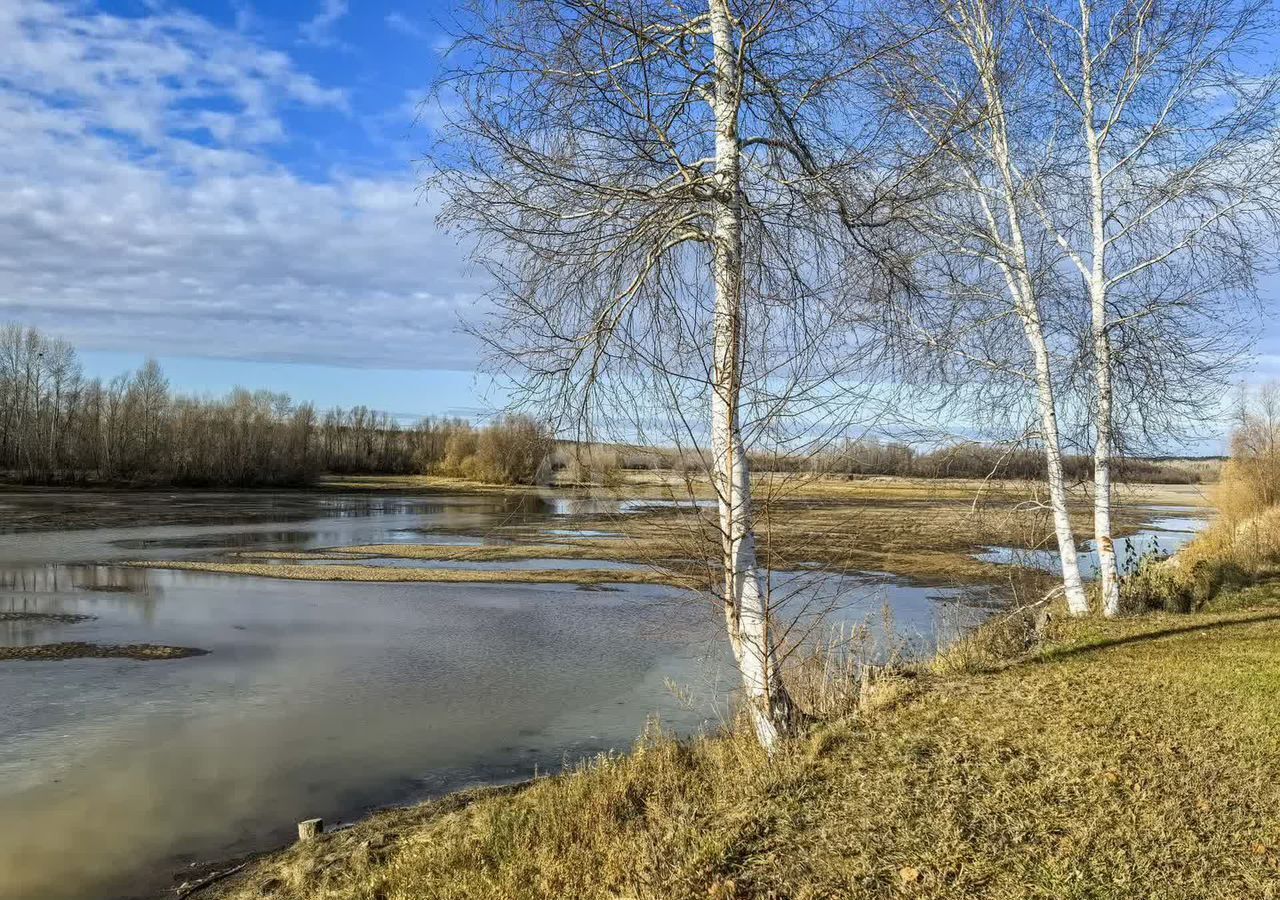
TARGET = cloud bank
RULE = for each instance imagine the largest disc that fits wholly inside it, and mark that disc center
(147, 203)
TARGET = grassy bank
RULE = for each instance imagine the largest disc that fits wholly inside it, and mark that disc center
(1124, 759)
(1240, 549)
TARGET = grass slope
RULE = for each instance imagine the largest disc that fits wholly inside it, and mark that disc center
(1129, 759)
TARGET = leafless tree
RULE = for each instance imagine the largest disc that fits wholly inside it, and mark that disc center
(677, 206)
(986, 287)
(1160, 181)
(1106, 163)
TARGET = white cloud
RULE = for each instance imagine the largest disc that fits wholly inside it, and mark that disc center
(140, 211)
(397, 21)
(246, 18)
(319, 29)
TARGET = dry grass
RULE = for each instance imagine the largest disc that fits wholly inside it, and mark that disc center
(1227, 555)
(1240, 548)
(936, 543)
(436, 484)
(923, 537)
(611, 550)
(1129, 759)
(663, 485)
(922, 528)
(387, 574)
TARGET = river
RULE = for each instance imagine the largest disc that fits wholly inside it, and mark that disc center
(318, 698)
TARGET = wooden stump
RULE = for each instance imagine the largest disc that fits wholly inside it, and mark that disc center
(310, 828)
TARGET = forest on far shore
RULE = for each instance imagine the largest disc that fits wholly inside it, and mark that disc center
(59, 427)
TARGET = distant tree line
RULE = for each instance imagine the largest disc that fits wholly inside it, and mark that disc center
(605, 463)
(976, 460)
(57, 426)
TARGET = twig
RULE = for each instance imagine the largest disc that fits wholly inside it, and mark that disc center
(186, 889)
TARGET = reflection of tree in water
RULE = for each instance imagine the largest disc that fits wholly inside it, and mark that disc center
(75, 589)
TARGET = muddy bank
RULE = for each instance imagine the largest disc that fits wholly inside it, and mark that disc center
(52, 618)
(27, 509)
(81, 650)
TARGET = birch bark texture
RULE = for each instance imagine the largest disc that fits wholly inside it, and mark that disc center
(746, 608)
(1161, 191)
(672, 203)
(981, 254)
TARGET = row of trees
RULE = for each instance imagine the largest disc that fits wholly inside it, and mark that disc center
(973, 460)
(55, 425)
(58, 426)
(1031, 212)
(606, 464)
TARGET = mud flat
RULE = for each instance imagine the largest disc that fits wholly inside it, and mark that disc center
(81, 650)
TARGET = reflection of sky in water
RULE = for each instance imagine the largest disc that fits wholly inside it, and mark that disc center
(1165, 535)
(317, 699)
(583, 533)
(332, 698)
(597, 506)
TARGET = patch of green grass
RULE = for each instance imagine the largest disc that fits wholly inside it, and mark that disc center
(1127, 759)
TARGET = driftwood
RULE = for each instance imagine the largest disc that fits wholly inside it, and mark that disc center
(187, 889)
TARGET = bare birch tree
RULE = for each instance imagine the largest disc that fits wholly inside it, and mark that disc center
(668, 196)
(1159, 185)
(960, 89)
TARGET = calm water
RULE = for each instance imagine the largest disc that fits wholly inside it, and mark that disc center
(321, 699)
(1168, 530)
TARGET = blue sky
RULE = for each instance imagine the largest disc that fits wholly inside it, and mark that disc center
(230, 186)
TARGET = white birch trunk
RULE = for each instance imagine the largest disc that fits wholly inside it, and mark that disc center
(1108, 572)
(746, 607)
(1077, 602)
(1017, 272)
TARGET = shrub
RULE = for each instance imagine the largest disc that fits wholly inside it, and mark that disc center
(601, 464)
(513, 450)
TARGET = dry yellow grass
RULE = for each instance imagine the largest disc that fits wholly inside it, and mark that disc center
(1240, 548)
(425, 483)
(663, 485)
(611, 550)
(389, 574)
(922, 528)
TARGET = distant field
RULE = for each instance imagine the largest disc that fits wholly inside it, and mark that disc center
(662, 484)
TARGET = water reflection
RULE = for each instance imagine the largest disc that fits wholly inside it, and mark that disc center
(1164, 536)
